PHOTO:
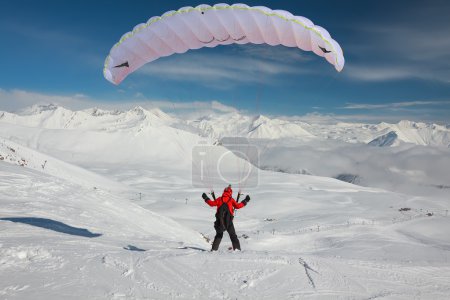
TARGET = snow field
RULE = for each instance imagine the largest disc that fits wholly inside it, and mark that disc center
(119, 219)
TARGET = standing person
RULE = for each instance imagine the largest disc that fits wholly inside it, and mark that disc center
(224, 216)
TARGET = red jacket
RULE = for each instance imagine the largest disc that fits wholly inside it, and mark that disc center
(226, 198)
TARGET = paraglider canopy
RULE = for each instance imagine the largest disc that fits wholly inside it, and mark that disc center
(209, 26)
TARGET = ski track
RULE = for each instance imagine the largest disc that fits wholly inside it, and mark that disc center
(226, 275)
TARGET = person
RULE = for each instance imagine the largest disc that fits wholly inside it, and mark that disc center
(224, 216)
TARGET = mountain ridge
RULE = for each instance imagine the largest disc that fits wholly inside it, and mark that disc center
(53, 116)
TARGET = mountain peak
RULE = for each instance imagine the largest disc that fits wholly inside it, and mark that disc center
(39, 108)
(97, 112)
(138, 110)
(260, 119)
(160, 114)
(385, 140)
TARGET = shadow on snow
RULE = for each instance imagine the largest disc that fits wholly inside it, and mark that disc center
(133, 248)
(193, 248)
(54, 225)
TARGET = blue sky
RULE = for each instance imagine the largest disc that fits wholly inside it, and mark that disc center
(397, 61)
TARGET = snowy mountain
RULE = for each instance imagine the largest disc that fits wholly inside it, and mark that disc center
(25, 157)
(148, 137)
(262, 127)
(100, 205)
(418, 133)
(229, 125)
(406, 131)
(56, 117)
(135, 136)
(386, 140)
(259, 127)
(265, 128)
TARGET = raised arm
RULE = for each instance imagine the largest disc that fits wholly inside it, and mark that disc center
(209, 201)
(244, 202)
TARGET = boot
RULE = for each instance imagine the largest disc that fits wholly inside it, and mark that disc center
(216, 243)
(235, 243)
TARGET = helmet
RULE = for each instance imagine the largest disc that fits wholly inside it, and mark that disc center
(227, 192)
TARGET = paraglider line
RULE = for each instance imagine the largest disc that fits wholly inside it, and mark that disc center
(221, 41)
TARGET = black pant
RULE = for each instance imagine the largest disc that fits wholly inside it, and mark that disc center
(219, 235)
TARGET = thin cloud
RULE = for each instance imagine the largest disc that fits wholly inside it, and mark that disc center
(224, 70)
(331, 118)
(406, 168)
(410, 45)
(16, 100)
(43, 35)
(59, 41)
(415, 39)
(380, 73)
(373, 116)
(196, 108)
(282, 54)
(393, 105)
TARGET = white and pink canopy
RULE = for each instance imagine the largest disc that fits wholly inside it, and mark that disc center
(209, 26)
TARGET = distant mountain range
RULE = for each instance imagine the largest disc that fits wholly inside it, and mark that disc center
(52, 116)
(406, 156)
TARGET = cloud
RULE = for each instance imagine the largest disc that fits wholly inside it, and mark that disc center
(60, 42)
(372, 116)
(435, 111)
(44, 35)
(410, 45)
(16, 100)
(399, 70)
(394, 105)
(409, 169)
(253, 65)
(331, 118)
(222, 108)
(380, 73)
(279, 53)
(187, 110)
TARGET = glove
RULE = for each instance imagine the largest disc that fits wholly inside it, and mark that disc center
(246, 200)
(205, 197)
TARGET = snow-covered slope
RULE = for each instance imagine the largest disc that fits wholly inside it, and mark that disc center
(56, 117)
(418, 133)
(410, 169)
(406, 132)
(61, 240)
(265, 128)
(302, 236)
(385, 140)
(143, 137)
(28, 158)
(225, 125)
(323, 238)
(137, 136)
(260, 127)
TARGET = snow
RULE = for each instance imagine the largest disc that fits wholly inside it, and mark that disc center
(117, 183)
(260, 127)
(419, 133)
